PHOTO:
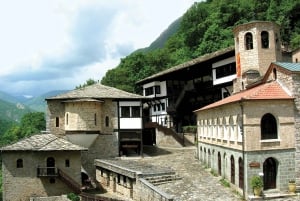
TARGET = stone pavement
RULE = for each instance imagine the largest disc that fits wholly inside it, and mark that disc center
(197, 183)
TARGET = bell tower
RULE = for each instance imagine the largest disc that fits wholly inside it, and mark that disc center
(257, 44)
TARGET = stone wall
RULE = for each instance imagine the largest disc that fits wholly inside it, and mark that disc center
(22, 183)
(296, 94)
(55, 109)
(285, 158)
(105, 146)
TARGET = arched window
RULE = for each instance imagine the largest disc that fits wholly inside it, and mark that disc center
(249, 41)
(20, 163)
(268, 127)
(264, 39)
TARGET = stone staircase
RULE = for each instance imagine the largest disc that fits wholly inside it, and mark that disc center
(161, 178)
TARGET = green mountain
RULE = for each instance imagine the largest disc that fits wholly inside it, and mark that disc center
(38, 103)
(163, 37)
(205, 27)
(12, 111)
(8, 98)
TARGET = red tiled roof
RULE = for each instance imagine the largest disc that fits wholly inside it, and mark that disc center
(267, 91)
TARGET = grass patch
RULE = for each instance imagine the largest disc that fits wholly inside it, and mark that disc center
(224, 182)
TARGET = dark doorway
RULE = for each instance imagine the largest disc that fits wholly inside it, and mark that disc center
(50, 166)
(241, 173)
(149, 136)
(232, 175)
(219, 164)
(270, 173)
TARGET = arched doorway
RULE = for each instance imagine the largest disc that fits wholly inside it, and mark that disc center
(219, 164)
(241, 173)
(270, 173)
(50, 166)
(232, 172)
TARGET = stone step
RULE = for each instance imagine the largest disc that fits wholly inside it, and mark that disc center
(157, 180)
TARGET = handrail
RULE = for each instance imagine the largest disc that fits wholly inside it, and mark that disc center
(92, 197)
(69, 181)
(47, 172)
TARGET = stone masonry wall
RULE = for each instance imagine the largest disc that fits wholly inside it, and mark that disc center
(296, 94)
(22, 183)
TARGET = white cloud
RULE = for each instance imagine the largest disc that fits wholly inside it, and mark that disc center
(54, 44)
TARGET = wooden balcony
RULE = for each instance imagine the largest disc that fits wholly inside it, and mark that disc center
(47, 172)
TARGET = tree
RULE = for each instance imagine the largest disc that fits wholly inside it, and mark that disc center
(87, 83)
(31, 123)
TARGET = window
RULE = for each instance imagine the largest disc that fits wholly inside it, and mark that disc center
(149, 91)
(67, 119)
(226, 70)
(158, 107)
(57, 121)
(135, 111)
(107, 121)
(125, 111)
(268, 127)
(163, 106)
(67, 163)
(95, 119)
(157, 89)
(248, 41)
(264, 39)
(19, 163)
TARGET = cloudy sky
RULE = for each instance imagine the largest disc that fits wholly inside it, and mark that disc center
(59, 44)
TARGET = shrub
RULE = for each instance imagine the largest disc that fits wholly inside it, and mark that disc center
(256, 182)
(73, 197)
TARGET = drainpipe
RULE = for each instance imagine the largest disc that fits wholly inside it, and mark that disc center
(243, 142)
(118, 136)
(142, 130)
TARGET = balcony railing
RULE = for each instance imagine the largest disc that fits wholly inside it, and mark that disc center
(47, 172)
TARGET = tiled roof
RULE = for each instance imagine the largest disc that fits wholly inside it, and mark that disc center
(43, 142)
(294, 67)
(97, 91)
(267, 91)
(187, 64)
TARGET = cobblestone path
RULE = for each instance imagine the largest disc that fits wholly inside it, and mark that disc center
(197, 184)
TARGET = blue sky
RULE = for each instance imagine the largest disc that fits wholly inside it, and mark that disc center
(59, 44)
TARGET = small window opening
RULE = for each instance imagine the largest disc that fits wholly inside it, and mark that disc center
(95, 119)
(52, 180)
(107, 121)
(264, 39)
(67, 119)
(268, 126)
(249, 41)
(136, 111)
(274, 74)
(57, 121)
(19, 163)
(67, 163)
(125, 111)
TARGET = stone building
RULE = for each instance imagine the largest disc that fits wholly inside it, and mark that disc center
(106, 120)
(255, 130)
(41, 165)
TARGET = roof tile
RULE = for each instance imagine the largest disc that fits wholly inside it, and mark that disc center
(267, 91)
(43, 142)
(97, 91)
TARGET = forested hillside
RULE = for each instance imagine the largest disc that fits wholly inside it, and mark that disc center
(206, 27)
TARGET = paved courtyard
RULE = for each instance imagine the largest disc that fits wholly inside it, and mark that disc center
(197, 183)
